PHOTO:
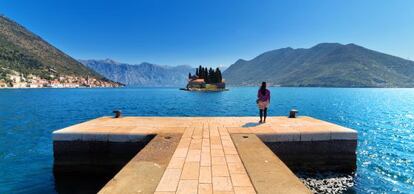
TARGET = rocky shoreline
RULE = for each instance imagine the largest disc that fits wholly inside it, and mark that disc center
(329, 182)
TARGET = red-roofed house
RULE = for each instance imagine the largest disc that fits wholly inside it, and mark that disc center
(196, 83)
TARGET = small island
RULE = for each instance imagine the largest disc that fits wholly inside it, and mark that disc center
(205, 80)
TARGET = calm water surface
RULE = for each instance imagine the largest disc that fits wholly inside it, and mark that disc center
(384, 119)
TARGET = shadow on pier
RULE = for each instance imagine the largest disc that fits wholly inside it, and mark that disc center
(91, 165)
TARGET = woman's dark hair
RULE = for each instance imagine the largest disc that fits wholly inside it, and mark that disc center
(263, 88)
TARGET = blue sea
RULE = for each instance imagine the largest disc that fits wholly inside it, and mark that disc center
(384, 119)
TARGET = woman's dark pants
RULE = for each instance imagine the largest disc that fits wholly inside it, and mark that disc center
(261, 114)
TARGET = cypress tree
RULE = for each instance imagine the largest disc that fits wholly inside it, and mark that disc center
(210, 74)
(219, 77)
(210, 77)
(206, 75)
(215, 76)
(200, 72)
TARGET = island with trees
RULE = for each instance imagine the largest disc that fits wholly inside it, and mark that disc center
(205, 79)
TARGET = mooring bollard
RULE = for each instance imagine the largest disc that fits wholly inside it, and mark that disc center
(117, 113)
(292, 113)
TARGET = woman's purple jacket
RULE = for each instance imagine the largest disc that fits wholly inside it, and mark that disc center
(262, 97)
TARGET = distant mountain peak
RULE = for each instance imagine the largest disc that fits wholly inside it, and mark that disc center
(352, 45)
(147, 64)
(240, 61)
(327, 45)
(325, 64)
(108, 60)
(144, 74)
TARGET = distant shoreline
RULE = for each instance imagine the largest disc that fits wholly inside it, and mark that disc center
(170, 87)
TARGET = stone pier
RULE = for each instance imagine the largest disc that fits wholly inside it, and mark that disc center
(205, 154)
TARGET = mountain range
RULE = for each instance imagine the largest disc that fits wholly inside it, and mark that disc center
(324, 65)
(24, 53)
(144, 74)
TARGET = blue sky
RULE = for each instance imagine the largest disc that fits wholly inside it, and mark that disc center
(212, 32)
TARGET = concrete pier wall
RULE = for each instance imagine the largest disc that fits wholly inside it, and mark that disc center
(317, 156)
(94, 156)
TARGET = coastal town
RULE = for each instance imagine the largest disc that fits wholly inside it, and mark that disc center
(17, 80)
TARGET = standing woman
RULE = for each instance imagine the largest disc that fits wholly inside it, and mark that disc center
(263, 100)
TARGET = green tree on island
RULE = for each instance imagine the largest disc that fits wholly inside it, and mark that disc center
(210, 75)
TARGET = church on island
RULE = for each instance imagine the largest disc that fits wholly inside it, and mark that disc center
(206, 80)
